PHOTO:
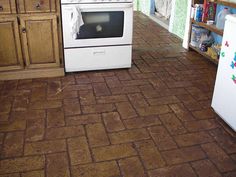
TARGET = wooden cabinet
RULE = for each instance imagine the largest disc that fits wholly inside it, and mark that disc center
(36, 6)
(30, 40)
(7, 7)
(10, 47)
(40, 41)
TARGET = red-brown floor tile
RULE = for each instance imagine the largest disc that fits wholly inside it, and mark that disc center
(153, 119)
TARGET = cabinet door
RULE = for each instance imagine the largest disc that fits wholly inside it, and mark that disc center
(34, 6)
(7, 7)
(40, 40)
(10, 47)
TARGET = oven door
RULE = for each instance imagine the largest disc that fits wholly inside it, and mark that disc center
(103, 24)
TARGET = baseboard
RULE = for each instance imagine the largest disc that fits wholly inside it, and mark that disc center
(32, 73)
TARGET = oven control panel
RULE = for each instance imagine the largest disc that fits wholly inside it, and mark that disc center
(94, 1)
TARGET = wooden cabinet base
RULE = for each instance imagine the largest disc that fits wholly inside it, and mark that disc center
(30, 31)
(32, 73)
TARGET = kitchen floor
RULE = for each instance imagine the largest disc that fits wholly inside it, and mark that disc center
(154, 119)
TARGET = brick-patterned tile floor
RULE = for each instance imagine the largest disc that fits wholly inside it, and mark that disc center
(151, 120)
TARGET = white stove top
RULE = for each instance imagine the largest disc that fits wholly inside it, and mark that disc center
(94, 1)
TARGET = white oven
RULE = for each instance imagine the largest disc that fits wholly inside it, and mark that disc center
(97, 34)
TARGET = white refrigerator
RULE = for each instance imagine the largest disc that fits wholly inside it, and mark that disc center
(224, 97)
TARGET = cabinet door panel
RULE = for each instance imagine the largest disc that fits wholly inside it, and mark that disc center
(7, 6)
(10, 47)
(40, 41)
(34, 6)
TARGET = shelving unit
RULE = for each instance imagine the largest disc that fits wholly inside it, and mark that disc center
(204, 54)
(211, 28)
(226, 3)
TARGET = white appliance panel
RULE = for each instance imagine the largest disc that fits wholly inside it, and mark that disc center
(94, 1)
(70, 42)
(224, 97)
(97, 58)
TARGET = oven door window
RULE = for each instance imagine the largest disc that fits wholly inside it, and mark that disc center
(102, 25)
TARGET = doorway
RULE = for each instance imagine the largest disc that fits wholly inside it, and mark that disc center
(161, 12)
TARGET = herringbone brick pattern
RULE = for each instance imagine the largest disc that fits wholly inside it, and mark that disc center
(153, 120)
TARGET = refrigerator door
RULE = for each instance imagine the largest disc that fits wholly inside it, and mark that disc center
(224, 97)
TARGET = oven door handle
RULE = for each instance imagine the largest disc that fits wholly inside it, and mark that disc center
(95, 7)
(108, 6)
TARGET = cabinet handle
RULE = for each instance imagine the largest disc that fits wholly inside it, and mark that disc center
(23, 30)
(1, 8)
(38, 5)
